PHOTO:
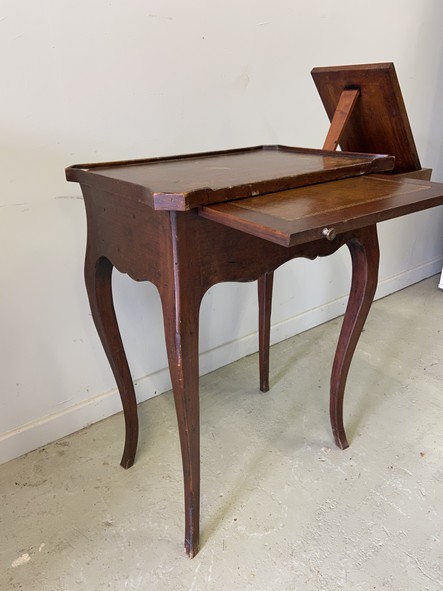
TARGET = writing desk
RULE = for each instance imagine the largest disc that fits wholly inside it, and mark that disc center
(187, 223)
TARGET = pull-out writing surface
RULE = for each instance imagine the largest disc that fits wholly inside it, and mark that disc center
(301, 215)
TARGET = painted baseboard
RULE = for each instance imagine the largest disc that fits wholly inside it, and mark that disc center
(33, 435)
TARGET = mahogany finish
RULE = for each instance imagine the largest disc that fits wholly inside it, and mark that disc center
(181, 183)
(379, 121)
(264, 286)
(177, 237)
(184, 254)
(300, 215)
(345, 106)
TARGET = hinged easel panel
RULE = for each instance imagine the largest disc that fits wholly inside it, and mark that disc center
(379, 122)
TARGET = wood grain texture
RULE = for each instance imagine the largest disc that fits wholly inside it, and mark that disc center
(182, 183)
(365, 257)
(184, 255)
(379, 121)
(237, 215)
(343, 111)
(300, 215)
(264, 288)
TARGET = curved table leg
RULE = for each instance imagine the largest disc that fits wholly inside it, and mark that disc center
(265, 283)
(365, 258)
(98, 273)
(181, 320)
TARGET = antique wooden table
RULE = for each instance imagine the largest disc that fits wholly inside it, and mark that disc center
(187, 223)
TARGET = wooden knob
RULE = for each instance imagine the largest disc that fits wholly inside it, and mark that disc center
(329, 233)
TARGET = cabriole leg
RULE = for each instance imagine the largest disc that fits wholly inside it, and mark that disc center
(98, 275)
(365, 258)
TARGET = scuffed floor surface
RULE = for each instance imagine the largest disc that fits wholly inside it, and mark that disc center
(282, 508)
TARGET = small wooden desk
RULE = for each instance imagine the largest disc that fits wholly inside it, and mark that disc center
(188, 223)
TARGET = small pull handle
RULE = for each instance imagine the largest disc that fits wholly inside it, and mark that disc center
(329, 233)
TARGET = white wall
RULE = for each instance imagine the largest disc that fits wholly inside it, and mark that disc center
(102, 80)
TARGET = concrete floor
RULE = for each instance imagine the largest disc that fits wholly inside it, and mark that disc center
(282, 508)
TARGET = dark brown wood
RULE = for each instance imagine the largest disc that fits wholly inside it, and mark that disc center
(212, 177)
(181, 297)
(265, 283)
(161, 247)
(185, 251)
(343, 111)
(365, 258)
(181, 183)
(379, 121)
(184, 255)
(98, 272)
(300, 215)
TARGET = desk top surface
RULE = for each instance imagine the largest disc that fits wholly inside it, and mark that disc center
(180, 183)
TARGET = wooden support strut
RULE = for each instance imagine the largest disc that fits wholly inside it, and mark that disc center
(345, 106)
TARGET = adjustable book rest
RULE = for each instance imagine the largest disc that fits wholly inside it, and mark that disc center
(185, 223)
(367, 114)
